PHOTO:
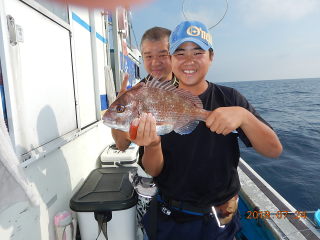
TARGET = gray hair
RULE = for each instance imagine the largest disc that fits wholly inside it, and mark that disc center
(156, 34)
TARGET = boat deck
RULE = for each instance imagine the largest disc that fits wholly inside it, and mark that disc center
(258, 195)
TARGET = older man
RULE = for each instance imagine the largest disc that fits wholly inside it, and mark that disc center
(156, 61)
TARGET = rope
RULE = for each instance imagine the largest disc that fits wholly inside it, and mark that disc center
(134, 36)
(294, 115)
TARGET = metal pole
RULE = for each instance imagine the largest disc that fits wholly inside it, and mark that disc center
(95, 64)
(117, 49)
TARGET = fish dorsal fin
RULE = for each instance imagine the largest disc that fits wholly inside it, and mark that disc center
(187, 129)
(168, 86)
(188, 95)
(153, 82)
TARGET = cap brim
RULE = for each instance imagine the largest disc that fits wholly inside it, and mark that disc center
(201, 44)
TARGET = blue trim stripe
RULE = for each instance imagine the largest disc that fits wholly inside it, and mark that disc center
(76, 18)
(104, 102)
(101, 38)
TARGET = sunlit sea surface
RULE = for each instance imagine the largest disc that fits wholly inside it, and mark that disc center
(292, 107)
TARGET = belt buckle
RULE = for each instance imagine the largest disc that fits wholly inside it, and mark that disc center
(165, 210)
(214, 213)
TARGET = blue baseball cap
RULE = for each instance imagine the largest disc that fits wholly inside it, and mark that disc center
(190, 31)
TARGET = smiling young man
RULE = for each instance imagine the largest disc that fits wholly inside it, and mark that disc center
(196, 173)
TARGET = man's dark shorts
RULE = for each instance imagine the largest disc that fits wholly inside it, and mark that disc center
(194, 230)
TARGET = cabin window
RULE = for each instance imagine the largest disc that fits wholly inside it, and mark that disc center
(59, 9)
(137, 71)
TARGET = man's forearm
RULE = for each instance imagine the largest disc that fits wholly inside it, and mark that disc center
(121, 138)
(152, 159)
(263, 139)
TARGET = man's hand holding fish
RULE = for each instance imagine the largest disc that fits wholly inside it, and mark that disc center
(147, 137)
(146, 130)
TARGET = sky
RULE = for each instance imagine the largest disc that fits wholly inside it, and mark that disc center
(256, 40)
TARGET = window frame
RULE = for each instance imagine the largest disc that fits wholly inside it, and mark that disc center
(38, 7)
(56, 143)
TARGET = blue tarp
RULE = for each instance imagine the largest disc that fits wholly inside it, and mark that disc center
(129, 67)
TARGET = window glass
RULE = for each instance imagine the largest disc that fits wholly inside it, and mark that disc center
(59, 9)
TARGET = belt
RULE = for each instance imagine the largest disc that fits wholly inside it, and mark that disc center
(223, 212)
(183, 206)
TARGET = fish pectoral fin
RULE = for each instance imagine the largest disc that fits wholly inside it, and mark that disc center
(187, 128)
(164, 128)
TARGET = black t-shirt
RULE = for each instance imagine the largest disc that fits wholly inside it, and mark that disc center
(201, 167)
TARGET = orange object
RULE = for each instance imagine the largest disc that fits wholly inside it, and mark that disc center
(103, 3)
(125, 48)
(133, 132)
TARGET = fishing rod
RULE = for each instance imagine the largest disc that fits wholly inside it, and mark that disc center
(292, 114)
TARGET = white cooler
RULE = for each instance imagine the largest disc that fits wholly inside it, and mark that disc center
(106, 190)
(113, 157)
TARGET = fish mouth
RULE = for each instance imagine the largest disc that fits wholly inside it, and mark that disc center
(116, 126)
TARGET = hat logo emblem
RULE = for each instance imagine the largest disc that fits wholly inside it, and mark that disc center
(195, 31)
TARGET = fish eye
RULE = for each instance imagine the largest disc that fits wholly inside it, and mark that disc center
(120, 108)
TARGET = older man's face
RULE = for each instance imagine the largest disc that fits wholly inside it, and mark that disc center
(156, 59)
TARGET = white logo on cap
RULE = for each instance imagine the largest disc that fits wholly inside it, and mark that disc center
(195, 31)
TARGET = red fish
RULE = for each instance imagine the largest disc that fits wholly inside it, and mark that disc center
(175, 109)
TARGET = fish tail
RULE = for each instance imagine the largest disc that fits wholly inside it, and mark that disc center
(203, 114)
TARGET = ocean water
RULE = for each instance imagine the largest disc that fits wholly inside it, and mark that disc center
(292, 107)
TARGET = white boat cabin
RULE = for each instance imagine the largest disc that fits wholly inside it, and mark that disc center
(56, 68)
